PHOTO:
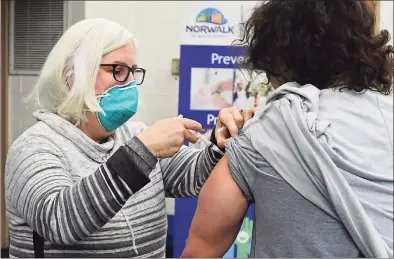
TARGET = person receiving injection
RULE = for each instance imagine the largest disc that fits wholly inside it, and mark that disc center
(317, 161)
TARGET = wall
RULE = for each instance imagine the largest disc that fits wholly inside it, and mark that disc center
(20, 85)
(386, 17)
(20, 115)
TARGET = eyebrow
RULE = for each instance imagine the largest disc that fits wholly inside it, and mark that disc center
(123, 63)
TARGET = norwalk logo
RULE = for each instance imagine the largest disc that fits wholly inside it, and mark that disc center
(210, 22)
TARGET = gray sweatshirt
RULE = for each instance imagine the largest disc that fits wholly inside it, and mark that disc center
(319, 167)
(94, 200)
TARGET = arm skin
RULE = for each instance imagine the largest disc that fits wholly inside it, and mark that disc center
(220, 211)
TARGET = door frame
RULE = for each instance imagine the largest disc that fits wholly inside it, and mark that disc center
(4, 115)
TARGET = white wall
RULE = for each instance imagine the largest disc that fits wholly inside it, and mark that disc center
(386, 17)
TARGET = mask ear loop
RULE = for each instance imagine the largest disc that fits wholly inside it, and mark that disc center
(121, 88)
(131, 84)
(127, 87)
(105, 94)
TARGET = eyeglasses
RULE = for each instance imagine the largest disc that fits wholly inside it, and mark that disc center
(121, 72)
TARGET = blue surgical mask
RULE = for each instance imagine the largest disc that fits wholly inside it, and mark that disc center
(119, 104)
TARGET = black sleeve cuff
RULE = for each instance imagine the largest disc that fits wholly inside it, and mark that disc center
(142, 151)
(122, 164)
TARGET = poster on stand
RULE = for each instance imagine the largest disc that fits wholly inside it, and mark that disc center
(210, 80)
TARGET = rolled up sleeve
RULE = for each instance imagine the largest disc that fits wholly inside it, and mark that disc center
(243, 162)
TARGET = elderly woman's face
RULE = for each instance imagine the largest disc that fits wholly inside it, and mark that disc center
(105, 80)
(123, 56)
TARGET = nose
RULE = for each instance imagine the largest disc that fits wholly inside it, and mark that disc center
(131, 77)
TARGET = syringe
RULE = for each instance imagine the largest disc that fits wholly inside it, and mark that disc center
(208, 142)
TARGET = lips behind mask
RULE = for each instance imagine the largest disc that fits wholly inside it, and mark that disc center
(119, 104)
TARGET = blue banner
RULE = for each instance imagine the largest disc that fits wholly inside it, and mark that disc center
(207, 76)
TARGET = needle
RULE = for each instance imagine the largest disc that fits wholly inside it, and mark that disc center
(204, 139)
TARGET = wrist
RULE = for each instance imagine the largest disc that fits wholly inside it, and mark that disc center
(147, 143)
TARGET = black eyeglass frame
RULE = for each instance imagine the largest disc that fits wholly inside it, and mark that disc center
(130, 70)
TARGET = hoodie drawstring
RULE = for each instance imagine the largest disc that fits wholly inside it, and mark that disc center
(131, 231)
(128, 224)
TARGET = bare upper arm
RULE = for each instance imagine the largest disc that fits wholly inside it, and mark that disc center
(218, 218)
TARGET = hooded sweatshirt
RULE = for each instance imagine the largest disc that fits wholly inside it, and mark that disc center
(318, 164)
(89, 199)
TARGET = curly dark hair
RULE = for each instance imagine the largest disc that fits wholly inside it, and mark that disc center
(326, 43)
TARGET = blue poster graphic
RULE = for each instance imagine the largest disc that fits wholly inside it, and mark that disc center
(207, 76)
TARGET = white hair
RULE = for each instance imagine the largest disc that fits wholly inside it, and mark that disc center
(66, 84)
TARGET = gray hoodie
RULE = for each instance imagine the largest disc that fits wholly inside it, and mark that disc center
(319, 167)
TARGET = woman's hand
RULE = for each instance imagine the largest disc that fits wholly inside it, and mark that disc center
(165, 137)
(230, 121)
